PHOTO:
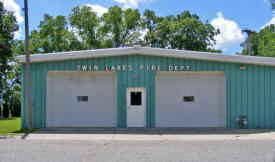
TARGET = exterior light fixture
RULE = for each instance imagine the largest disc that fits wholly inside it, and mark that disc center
(242, 67)
(124, 58)
(135, 76)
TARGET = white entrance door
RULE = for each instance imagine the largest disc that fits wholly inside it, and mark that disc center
(136, 107)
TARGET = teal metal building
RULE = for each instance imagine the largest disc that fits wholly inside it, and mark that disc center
(149, 87)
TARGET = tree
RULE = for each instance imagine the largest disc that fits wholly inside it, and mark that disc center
(8, 26)
(262, 43)
(54, 35)
(150, 21)
(35, 45)
(86, 23)
(185, 31)
(121, 27)
(15, 101)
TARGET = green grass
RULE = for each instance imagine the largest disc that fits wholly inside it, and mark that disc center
(12, 126)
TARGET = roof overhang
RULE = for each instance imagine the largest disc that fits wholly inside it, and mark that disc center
(138, 50)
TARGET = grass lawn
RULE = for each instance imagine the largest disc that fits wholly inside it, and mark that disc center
(12, 126)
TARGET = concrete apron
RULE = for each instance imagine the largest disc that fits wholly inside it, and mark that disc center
(151, 134)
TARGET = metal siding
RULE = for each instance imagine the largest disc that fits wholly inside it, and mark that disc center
(244, 91)
(239, 93)
(249, 92)
(152, 96)
(272, 98)
(249, 95)
(23, 99)
(38, 97)
(124, 96)
(119, 94)
(33, 99)
(256, 97)
(148, 92)
(228, 96)
(269, 99)
(43, 93)
(262, 95)
(233, 96)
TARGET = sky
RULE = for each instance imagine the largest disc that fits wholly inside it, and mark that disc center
(230, 16)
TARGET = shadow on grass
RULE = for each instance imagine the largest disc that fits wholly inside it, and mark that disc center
(23, 133)
(26, 131)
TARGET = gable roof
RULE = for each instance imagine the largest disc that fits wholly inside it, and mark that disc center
(138, 50)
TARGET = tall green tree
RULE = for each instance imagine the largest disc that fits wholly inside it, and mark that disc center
(8, 26)
(149, 22)
(35, 44)
(184, 31)
(121, 27)
(85, 21)
(54, 35)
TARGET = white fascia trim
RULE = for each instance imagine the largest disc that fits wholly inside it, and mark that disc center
(151, 52)
(77, 54)
(209, 56)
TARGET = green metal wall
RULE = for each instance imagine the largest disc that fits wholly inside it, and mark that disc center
(249, 92)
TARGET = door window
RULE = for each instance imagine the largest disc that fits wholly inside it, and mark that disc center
(82, 98)
(135, 98)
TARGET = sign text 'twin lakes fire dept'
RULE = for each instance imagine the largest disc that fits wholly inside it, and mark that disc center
(131, 67)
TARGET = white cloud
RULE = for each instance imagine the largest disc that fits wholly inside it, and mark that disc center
(100, 10)
(75, 32)
(272, 21)
(18, 33)
(143, 32)
(230, 32)
(10, 5)
(130, 3)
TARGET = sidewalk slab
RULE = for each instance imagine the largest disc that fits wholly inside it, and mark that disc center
(154, 134)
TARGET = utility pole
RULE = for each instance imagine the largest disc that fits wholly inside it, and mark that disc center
(248, 43)
(28, 85)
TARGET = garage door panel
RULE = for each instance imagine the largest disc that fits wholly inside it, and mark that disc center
(63, 109)
(208, 109)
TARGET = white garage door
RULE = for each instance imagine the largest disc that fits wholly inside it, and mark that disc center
(190, 99)
(81, 99)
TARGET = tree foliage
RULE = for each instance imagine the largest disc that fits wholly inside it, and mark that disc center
(54, 34)
(272, 4)
(184, 31)
(121, 27)
(85, 21)
(8, 26)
